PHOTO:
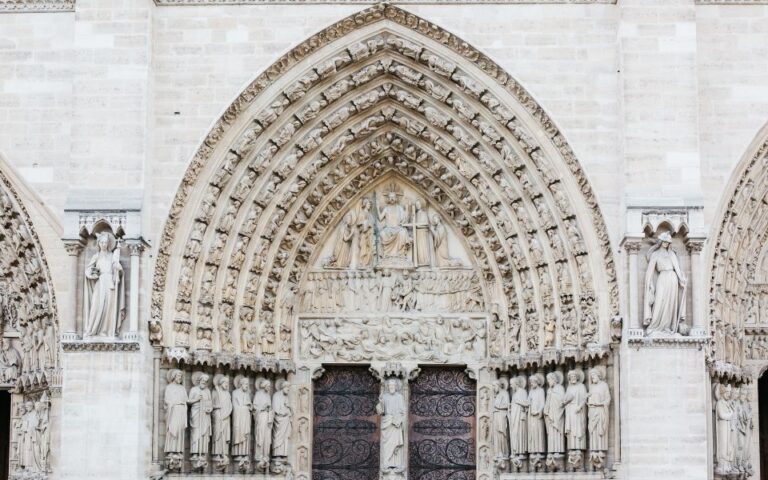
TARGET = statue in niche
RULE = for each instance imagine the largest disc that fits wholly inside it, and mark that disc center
(241, 422)
(422, 244)
(395, 240)
(29, 453)
(365, 224)
(440, 239)
(500, 437)
(104, 290)
(200, 419)
(392, 409)
(537, 446)
(175, 419)
(745, 427)
(664, 289)
(554, 418)
(724, 416)
(598, 401)
(342, 251)
(575, 400)
(222, 416)
(281, 428)
(263, 417)
(10, 361)
(518, 434)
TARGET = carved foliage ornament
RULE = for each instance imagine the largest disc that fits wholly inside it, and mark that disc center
(262, 213)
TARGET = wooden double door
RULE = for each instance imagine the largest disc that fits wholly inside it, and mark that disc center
(441, 425)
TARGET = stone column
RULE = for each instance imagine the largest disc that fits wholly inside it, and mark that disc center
(632, 247)
(69, 319)
(132, 334)
(696, 282)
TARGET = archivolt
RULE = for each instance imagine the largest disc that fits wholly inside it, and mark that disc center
(382, 93)
(27, 300)
(738, 248)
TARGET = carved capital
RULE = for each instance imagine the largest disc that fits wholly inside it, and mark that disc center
(135, 248)
(694, 246)
(73, 248)
(632, 247)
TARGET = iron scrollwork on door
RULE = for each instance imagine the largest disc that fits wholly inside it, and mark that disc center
(345, 442)
(442, 425)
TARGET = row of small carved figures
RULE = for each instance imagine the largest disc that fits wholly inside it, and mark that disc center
(535, 429)
(227, 427)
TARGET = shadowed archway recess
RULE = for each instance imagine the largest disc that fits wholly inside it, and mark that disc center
(738, 259)
(381, 94)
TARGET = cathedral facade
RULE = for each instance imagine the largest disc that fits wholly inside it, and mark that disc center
(316, 240)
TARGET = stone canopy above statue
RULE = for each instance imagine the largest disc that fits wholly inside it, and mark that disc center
(392, 227)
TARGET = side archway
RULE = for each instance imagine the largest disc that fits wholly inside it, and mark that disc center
(385, 159)
(29, 326)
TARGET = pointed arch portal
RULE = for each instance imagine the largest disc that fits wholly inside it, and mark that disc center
(383, 158)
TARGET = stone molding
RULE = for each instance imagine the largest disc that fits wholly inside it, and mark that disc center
(111, 346)
(36, 6)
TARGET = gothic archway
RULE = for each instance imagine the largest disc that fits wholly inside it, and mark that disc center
(383, 101)
(29, 331)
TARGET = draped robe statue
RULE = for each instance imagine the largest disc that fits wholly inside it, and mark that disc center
(574, 400)
(104, 290)
(501, 420)
(241, 420)
(554, 413)
(536, 435)
(29, 456)
(200, 418)
(10, 360)
(440, 239)
(598, 400)
(263, 416)
(281, 429)
(392, 409)
(222, 415)
(365, 223)
(342, 251)
(724, 416)
(518, 434)
(664, 289)
(175, 418)
(422, 241)
(394, 237)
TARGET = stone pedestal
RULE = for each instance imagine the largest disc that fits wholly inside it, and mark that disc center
(105, 415)
(665, 409)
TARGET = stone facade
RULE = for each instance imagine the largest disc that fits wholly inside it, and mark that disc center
(222, 222)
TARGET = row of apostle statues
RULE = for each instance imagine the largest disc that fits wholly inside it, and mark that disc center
(537, 429)
(33, 437)
(396, 234)
(733, 430)
(227, 425)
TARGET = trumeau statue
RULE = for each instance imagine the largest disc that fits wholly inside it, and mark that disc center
(104, 290)
(175, 419)
(664, 289)
(392, 409)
